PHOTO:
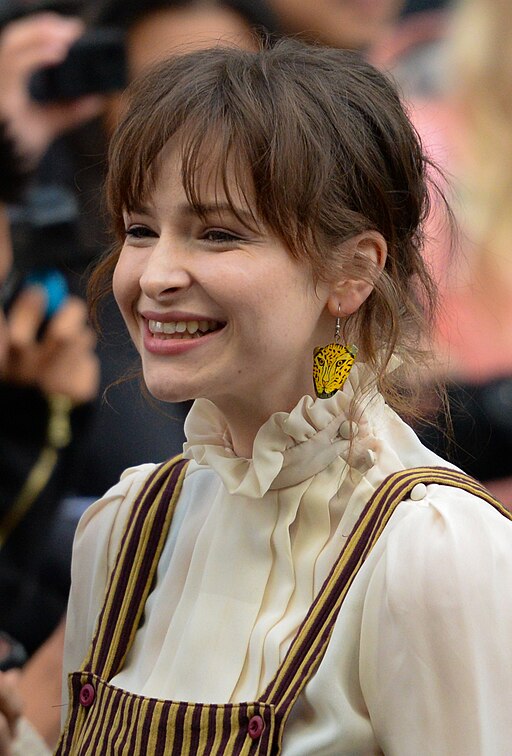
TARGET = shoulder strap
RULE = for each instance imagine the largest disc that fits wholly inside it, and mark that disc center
(314, 634)
(132, 578)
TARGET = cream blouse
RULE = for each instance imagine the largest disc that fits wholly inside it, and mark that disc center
(420, 660)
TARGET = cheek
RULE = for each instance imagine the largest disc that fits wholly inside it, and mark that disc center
(125, 285)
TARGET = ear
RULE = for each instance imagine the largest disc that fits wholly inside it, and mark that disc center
(366, 252)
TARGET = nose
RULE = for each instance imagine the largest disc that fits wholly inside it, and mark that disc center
(165, 271)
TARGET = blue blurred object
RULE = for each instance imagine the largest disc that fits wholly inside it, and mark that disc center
(55, 285)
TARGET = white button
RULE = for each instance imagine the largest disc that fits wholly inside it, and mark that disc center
(418, 492)
(370, 457)
(348, 429)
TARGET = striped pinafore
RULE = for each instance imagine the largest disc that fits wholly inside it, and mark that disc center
(104, 719)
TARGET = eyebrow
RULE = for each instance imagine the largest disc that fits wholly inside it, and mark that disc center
(205, 209)
(213, 208)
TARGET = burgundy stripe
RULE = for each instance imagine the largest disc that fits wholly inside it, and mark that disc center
(97, 725)
(119, 595)
(133, 725)
(196, 729)
(65, 743)
(320, 632)
(146, 726)
(122, 707)
(130, 706)
(103, 725)
(226, 728)
(323, 603)
(240, 736)
(88, 726)
(177, 745)
(147, 567)
(133, 514)
(163, 728)
(212, 717)
(399, 486)
(318, 636)
(86, 733)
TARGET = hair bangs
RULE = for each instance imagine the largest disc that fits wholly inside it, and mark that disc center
(215, 163)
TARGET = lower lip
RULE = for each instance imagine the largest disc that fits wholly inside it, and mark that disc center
(168, 346)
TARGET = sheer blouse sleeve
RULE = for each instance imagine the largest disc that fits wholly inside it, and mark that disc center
(435, 654)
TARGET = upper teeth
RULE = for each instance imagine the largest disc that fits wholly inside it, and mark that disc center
(180, 326)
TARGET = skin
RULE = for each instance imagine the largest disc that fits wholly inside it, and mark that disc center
(10, 710)
(175, 266)
(353, 24)
(43, 672)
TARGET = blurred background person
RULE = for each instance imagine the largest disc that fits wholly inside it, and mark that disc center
(46, 377)
(463, 111)
(351, 24)
(403, 35)
(49, 376)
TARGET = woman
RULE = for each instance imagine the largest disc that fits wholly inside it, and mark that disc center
(269, 203)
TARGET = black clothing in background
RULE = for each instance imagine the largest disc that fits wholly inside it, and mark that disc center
(32, 597)
(481, 442)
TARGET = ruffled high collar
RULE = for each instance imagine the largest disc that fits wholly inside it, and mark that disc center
(290, 447)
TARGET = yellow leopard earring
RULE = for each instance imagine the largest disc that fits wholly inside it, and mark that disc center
(332, 364)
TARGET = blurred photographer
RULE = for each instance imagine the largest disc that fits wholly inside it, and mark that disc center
(27, 45)
(49, 372)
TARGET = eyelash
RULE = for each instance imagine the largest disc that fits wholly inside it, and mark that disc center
(223, 237)
(226, 237)
(138, 232)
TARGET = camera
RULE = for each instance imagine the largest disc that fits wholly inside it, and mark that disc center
(45, 239)
(95, 64)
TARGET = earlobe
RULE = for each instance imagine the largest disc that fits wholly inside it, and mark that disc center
(366, 253)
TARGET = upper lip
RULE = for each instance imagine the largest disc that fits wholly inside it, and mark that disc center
(175, 316)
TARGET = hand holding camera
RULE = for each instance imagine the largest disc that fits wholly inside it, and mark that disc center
(59, 361)
(27, 45)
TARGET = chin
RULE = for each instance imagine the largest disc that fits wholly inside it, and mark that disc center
(166, 392)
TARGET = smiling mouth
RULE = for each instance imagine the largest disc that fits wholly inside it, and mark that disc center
(183, 329)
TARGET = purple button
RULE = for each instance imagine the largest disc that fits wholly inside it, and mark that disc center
(87, 694)
(255, 727)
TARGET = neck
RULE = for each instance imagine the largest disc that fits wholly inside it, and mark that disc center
(245, 418)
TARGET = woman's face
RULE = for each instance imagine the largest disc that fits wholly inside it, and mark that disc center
(216, 308)
(353, 24)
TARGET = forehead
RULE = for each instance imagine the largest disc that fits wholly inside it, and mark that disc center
(206, 174)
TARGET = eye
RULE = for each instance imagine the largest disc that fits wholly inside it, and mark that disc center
(220, 236)
(139, 232)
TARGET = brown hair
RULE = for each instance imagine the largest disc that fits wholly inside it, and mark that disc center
(331, 154)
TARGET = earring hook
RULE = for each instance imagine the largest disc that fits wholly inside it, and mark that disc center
(337, 327)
